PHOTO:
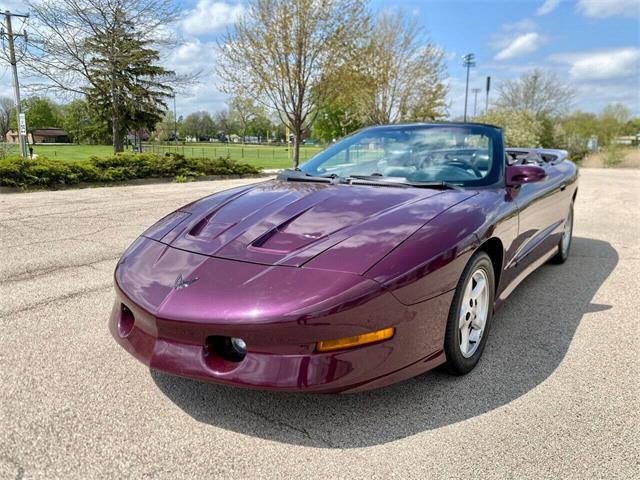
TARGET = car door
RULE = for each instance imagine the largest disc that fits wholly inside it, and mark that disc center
(542, 209)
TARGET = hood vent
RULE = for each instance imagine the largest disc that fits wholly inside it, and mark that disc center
(278, 239)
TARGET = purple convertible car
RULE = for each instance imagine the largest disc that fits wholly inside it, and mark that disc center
(380, 258)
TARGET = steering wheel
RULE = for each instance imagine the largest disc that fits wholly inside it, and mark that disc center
(425, 162)
(464, 165)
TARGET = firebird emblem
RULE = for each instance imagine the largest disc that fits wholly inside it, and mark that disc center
(181, 283)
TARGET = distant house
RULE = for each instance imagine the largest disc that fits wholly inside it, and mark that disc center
(628, 140)
(134, 136)
(40, 135)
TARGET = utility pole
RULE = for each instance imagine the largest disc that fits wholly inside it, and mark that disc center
(475, 99)
(486, 105)
(16, 86)
(468, 61)
(175, 122)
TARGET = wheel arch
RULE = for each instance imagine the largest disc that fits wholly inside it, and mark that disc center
(494, 248)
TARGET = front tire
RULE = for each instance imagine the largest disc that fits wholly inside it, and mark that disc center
(470, 315)
(565, 242)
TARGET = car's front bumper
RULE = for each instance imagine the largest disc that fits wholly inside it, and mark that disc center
(281, 354)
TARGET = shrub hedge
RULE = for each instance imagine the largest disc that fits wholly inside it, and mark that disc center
(44, 172)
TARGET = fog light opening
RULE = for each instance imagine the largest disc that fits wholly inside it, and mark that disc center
(126, 321)
(232, 349)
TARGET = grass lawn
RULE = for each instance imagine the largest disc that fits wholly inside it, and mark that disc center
(260, 156)
(72, 152)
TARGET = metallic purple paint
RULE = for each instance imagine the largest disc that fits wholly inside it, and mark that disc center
(283, 265)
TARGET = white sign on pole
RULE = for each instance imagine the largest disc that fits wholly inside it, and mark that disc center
(22, 124)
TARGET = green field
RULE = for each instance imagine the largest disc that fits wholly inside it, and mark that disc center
(260, 156)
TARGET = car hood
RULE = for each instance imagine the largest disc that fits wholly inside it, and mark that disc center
(335, 227)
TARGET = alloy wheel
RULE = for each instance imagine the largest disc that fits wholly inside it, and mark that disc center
(473, 312)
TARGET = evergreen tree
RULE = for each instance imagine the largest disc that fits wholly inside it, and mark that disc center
(126, 83)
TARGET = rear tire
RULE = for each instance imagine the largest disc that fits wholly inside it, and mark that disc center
(470, 315)
(565, 242)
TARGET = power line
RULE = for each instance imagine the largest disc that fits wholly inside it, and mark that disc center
(13, 62)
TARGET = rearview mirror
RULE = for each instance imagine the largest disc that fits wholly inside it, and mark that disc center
(519, 174)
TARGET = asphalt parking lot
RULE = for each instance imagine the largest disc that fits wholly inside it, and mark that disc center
(556, 395)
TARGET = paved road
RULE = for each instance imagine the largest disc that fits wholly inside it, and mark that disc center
(556, 395)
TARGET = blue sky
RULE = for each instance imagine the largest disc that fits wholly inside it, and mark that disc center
(593, 45)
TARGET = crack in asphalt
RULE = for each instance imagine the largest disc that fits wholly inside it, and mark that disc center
(74, 237)
(281, 423)
(67, 296)
(33, 274)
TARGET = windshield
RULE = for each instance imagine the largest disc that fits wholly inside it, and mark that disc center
(459, 154)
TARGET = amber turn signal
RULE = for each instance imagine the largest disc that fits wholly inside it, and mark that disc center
(348, 342)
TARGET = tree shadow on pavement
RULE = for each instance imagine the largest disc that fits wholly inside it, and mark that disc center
(529, 338)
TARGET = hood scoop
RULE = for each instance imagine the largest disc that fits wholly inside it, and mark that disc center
(285, 239)
(207, 228)
(289, 223)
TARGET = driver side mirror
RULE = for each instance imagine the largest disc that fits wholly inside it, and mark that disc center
(519, 174)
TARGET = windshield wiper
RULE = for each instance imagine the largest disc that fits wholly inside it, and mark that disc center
(291, 175)
(372, 180)
(376, 178)
(442, 185)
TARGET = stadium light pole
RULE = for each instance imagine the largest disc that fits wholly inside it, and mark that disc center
(475, 100)
(486, 105)
(468, 61)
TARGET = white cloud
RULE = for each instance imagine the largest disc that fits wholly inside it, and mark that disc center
(603, 64)
(210, 16)
(524, 24)
(191, 57)
(547, 7)
(520, 45)
(594, 97)
(194, 56)
(608, 8)
(14, 6)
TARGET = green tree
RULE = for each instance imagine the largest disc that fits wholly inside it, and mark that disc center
(260, 126)
(199, 125)
(39, 113)
(521, 127)
(168, 127)
(334, 122)
(126, 87)
(580, 124)
(611, 122)
(242, 111)
(6, 109)
(280, 51)
(77, 120)
(632, 127)
(403, 71)
(107, 50)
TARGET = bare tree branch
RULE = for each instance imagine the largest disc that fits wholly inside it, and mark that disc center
(279, 52)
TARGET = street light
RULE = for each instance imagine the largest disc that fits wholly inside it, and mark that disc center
(468, 61)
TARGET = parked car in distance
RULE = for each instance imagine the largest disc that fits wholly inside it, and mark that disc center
(382, 257)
